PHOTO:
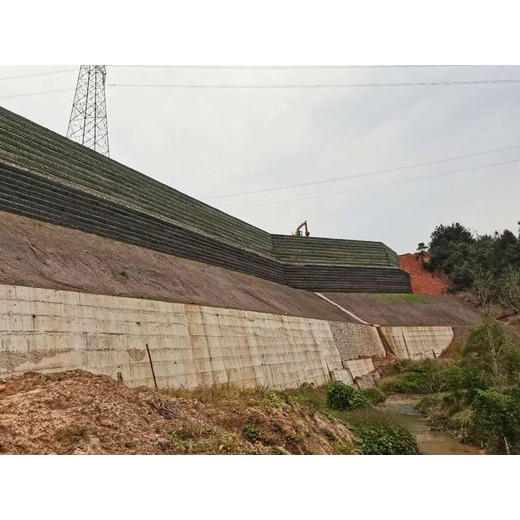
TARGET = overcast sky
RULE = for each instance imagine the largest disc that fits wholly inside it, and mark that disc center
(210, 143)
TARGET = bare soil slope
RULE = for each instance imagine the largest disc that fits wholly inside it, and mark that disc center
(77, 412)
(39, 254)
(408, 309)
(422, 280)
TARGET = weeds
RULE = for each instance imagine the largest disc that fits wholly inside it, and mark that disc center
(343, 397)
(377, 436)
(251, 433)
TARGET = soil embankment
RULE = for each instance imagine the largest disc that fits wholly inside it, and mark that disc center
(77, 412)
(38, 254)
(422, 280)
(409, 309)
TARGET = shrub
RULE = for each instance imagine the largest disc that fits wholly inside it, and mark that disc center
(374, 395)
(442, 407)
(251, 433)
(496, 420)
(343, 397)
(424, 377)
(377, 436)
(473, 380)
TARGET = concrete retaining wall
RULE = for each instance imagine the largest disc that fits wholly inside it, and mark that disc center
(360, 367)
(418, 342)
(189, 345)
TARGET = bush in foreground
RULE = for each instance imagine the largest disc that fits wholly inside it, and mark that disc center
(343, 397)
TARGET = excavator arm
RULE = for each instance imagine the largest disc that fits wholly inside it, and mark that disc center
(298, 232)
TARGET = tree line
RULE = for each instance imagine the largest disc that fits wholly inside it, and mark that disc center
(486, 265)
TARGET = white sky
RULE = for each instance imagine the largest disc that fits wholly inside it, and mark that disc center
(214, 142)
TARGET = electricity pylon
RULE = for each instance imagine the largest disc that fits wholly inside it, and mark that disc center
(88, 118)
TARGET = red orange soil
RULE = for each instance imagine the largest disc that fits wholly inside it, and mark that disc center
(423, 282)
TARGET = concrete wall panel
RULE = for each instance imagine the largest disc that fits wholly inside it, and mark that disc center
(418, 342)
(360, 367)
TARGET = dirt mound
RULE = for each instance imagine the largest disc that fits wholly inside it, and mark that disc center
(77, 412)
(423, 282)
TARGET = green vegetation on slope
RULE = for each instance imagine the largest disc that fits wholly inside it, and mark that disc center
(375, 435)
(398, 298)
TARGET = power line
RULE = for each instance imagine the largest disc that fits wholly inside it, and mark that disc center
(38, 74)
(285, 67)
(302, 166)
(318, 85)
(237, 164)
(287, 86)
(366, 174)
(361, 188)
(36, 93)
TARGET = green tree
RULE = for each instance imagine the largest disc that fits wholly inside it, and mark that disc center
(449, 247)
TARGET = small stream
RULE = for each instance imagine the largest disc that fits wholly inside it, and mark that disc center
(402, 410)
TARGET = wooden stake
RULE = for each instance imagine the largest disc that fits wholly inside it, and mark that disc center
(151, 366)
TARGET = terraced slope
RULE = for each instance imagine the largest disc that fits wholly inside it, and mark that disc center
(37, 149)
(330, 251)
(48, 177)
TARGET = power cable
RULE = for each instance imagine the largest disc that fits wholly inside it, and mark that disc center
(236, 164)
(302, 166)
(361, 188)
(39, 74)
(285, 67)
(37, 93)
(318, 85)
(366, 174)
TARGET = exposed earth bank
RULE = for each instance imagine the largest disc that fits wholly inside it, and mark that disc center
(422, 280)
(76, 412)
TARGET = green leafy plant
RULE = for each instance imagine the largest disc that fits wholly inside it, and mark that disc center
(377, 436)
(251, 433)
(496, 420)
(493, 352)
(343, 397)
(374, 395)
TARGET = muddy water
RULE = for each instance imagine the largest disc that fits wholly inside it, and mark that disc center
(401, 409)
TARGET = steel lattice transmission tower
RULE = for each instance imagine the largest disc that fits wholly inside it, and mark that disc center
(88, 118)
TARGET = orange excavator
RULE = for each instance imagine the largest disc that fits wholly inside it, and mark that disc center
(298, 232)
